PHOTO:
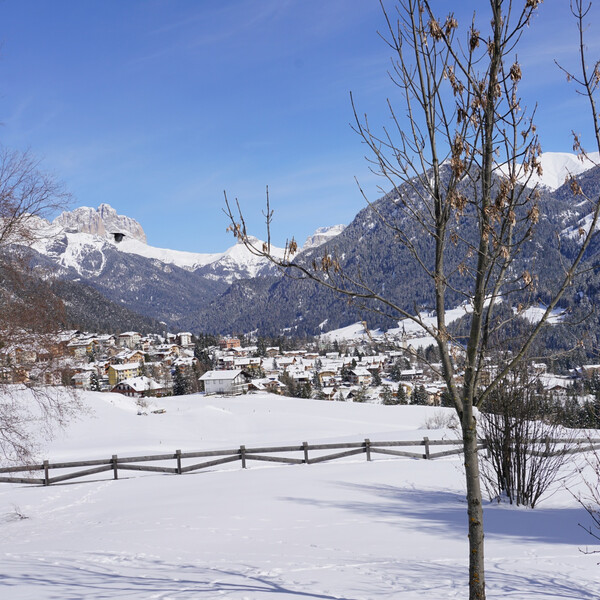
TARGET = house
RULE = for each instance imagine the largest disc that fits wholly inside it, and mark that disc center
(117, 373)
(19, 354)
(329, 392)
(229, 342)
(265, 384)
(248, 364)
(224, 382)
(185, 339)
(136, 356)
(139, 387)
(129, 339)
(410, 374)
(83, 379)
(79, 348)
(360, 376)
(326, 376)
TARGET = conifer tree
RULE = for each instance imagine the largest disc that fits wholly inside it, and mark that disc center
(180, 384)
(387, 397)
(401, 395)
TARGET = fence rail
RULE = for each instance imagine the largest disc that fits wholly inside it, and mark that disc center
(267, 454)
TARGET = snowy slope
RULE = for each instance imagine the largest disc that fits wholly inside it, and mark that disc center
(406, 328)
(180, 258)
(322, 236)
(416, 336)
(388, 529)
(556, 166)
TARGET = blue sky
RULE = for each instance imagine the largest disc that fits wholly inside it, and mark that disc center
(156, 106)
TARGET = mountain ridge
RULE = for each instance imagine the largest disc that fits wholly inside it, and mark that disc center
(234, 292)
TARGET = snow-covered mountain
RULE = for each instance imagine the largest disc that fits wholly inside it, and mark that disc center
(557, 166)
(236, 262)
(238, 291)
(80, 239)
(109, 252)
(321, 236)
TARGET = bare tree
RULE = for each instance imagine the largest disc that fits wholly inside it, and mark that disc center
(30, 314)
(26, 193)
(524, 457)
(459, 158)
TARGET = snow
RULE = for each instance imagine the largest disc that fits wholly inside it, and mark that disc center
(535, 313)
(179, 258)
(391, 528)
(556, 166)
(356, 331)
(580, 229)
(321, 236)
(416, 335)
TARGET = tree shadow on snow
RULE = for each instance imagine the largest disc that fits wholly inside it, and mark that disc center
(445, 513)
(107, 577)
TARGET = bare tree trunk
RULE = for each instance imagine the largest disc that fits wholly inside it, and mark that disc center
(474, 506)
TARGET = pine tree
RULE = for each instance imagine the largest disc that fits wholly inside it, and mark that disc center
(396, 370)
(387, 397)
(419, 396)
(94, 382)
(401, 395)
(305, 390)
(376, 379)
(261, 347)
(345, 373)
(316, 380)
(180, 385)
(361, 394)
(446, 399)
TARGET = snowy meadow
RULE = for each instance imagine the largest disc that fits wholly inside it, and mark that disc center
(348, 529)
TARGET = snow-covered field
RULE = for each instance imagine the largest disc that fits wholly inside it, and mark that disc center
(346, 530)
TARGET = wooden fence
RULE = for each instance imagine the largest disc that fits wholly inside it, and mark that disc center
(277, 454)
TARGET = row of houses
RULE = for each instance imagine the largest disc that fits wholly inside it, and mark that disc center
(137, 366)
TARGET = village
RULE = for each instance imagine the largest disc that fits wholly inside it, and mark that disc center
(140, 366)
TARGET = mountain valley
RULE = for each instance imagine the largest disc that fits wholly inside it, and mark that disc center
(236, 292)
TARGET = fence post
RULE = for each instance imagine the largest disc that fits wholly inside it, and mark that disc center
(178, 455)
(426, 442)
(305, 448)
(243, 456)
(115, 467)
(46, 473)
(368, 449)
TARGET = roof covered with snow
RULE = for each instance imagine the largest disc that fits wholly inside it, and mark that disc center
(221, 375)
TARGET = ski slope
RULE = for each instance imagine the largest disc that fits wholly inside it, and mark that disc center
(347, 530)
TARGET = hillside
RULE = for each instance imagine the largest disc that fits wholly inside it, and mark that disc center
(369, 251)
(236, 292)
(348, 529)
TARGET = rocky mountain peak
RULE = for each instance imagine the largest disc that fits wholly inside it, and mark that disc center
(102, 221)
(322, 235)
